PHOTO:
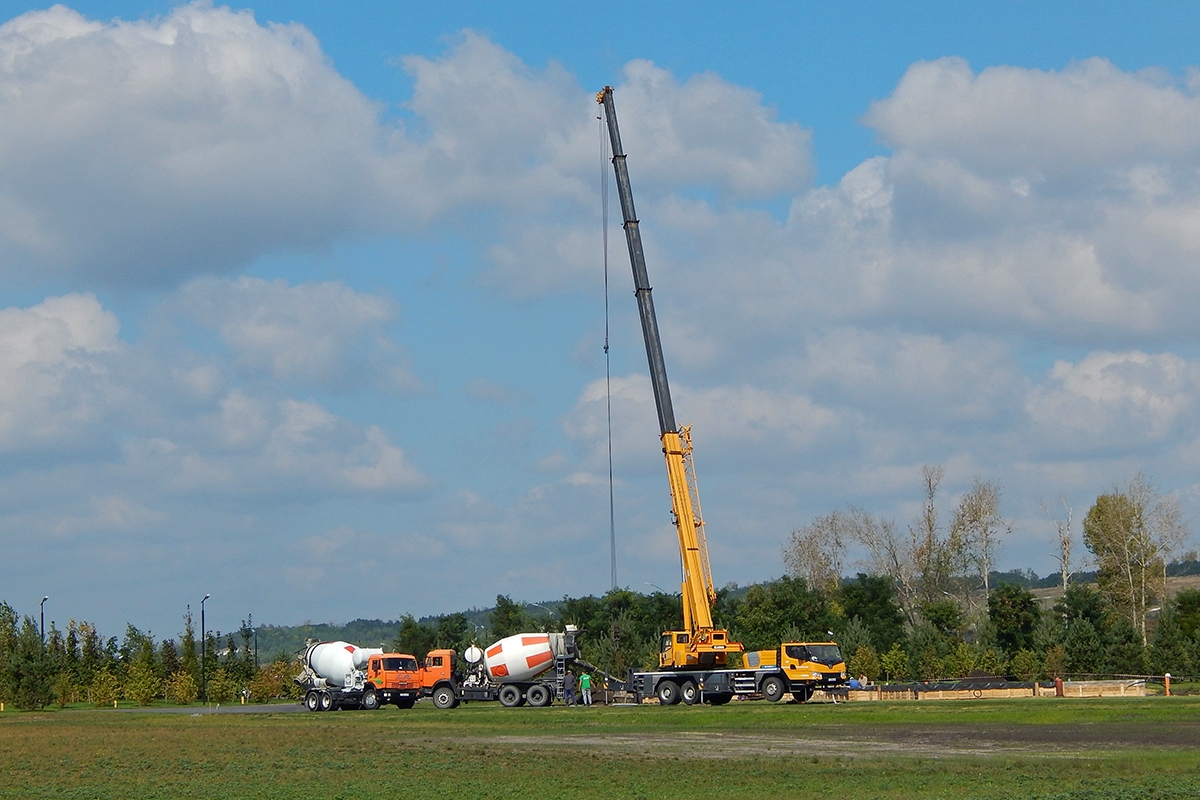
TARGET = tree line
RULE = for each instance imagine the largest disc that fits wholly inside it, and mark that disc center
(80, 665)
(952, 620)
(927, 606)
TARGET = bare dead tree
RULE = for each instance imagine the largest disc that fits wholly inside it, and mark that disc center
(976, 531)
(817, 551)
(1065, 537)
(890, 555)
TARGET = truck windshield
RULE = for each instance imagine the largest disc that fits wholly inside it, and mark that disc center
(825, 654)
(404, 664)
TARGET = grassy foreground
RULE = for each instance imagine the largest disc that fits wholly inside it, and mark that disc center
(1094, 749)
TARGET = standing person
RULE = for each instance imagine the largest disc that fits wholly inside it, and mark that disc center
(569, 688)
(585, 688)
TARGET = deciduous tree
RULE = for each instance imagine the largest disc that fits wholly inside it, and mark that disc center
(817, 552)
(976, 531)
(1132, 532)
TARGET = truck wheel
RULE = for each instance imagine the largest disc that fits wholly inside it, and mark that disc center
(443, 697)
(370, 700)
(772, 689)
(539, 696)
(326, 701)
(668, 693)
(405, 702)
(312, 700)
(510, 696)
(688, 693)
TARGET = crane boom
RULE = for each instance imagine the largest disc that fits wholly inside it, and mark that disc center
(699, 644)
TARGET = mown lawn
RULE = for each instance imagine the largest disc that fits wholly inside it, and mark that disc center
(1093, 749)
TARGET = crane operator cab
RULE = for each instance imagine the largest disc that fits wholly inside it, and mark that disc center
(706, 650)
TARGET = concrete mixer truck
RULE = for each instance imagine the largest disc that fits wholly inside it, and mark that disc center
(337, 675)
(524, 668)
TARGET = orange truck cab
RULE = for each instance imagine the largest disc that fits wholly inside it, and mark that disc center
(441, 679)
(396, 679)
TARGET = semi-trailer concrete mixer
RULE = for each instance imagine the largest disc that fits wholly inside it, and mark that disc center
(524, 668)
(338, 675)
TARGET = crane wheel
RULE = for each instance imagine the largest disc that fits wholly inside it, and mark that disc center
(538, 696)
(717, 699)
(668, 693)
(688, 693)
(510, 696)
(773, 689)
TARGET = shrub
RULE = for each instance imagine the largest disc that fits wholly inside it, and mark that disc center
(181, 688)
(865, 661)
(1025, 665)
(895, 663)
(142, 686)
(105, 689)
(272, 681)
(66, 689)
(222, 687)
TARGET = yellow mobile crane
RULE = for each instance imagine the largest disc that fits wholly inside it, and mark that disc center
(692, 661)
(699, 644)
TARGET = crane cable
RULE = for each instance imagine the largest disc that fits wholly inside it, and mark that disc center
(612, 521)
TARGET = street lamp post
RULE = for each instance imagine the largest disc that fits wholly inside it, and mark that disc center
(44, 599)
(203, 653)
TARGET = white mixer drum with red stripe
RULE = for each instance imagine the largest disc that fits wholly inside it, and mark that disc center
(524, 656)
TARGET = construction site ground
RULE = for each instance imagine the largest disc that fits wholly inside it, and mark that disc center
(1053, 748)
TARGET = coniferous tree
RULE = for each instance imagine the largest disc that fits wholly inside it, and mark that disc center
(508, 618)
(168, 658)
(1014, 612)
(1083, 649)
(1169, 651)
(414, 638)
(872, 599)
(1124, 654)
(1187, 612)
(189, 655)
(29, 668)
(8, 646)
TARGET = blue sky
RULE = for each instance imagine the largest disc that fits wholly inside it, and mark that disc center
(309, 316)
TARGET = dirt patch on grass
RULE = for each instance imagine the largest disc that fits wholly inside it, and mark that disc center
(916, 740)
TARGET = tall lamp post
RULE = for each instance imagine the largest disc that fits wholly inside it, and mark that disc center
(44, 599)
(203, 653)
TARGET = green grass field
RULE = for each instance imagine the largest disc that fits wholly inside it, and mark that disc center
(1093, 749)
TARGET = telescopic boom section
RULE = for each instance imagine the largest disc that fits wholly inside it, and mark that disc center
(699, 644)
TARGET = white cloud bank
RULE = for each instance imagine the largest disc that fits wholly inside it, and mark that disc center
(1010, 291)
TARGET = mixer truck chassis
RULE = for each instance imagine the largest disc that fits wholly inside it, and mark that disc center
(338, 675)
